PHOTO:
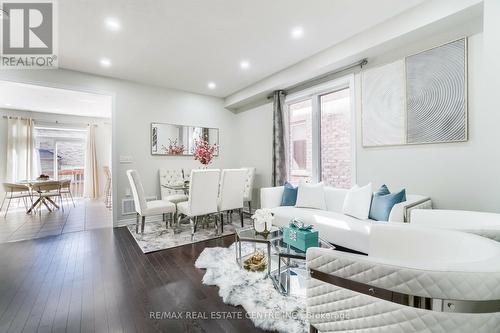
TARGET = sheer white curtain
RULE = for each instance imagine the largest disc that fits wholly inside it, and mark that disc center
(22, 155)
(91, 173)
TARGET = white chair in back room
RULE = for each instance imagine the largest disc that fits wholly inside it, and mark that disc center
(145, 208)
(46, 192)
(232, 190)
(66, 190)
(108, 198)
(250, 177)
(202, 202)
(15, 191)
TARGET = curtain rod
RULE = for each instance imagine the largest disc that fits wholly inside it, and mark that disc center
(309, 82)
(52, 121)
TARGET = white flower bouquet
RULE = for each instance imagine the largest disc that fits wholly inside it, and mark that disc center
(263, 220)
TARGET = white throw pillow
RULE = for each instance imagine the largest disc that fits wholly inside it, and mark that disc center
(311, 196)
(357, 202)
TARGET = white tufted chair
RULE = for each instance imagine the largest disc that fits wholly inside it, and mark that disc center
(232, 186)
(171, 177)
(414, 279)
(145, 208)
(247, 197)
(203, 193)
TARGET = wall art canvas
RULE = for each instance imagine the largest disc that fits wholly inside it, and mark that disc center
(383, 99)
(436, 88)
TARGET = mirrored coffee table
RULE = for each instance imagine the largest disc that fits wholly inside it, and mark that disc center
(286, 266)
(250, 235)
(291, 275)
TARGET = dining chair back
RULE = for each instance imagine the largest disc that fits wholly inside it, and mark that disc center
(48, 186)
(249, 181)
(14, 191)
(15, 188)
(170, 177)
(45, 190)
(232, 188)
(66, 190)
(66, 184)
(137, 191)
(203, 192)
(145, 208)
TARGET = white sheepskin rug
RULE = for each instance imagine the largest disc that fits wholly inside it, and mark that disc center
(265, 306)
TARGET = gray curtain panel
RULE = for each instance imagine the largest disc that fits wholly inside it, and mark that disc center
(279, 150)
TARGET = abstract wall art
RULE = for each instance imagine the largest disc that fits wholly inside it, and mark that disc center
(436, 94)
(383, 99)
(417, 100)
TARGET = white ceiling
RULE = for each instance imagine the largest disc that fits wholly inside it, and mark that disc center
(186, 44)
(20, 96)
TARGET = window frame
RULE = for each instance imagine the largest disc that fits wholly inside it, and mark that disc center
(314, 94)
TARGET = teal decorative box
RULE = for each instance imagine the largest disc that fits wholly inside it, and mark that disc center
(300, 239)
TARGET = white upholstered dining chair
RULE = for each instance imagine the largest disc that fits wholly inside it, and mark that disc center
(203, 193)
(231, 193)
(145, 208)
(247, 197)
(171, 177)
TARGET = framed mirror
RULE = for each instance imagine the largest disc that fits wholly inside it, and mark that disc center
(179, 140)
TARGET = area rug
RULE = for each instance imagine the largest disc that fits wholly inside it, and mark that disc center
(157, 237)
(265, 306)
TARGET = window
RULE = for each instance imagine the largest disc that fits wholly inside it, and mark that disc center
(321, 135)
(300, 141)
(61, 153)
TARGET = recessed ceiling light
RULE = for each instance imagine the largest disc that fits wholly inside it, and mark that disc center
(105, 62)
(113, 24)
(297, 32)
(212, 85)
(244, 64)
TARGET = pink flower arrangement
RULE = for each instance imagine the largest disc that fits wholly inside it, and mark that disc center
(174, 148)
(204, 151)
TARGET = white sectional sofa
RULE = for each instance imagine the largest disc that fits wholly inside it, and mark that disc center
(479, 223)
(333, 226)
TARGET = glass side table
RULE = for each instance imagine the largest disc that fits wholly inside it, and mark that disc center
(250, 235)
(291, 275)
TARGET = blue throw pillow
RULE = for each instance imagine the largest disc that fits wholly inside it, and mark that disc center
(289, 195)
(383, 201)
(383, 190)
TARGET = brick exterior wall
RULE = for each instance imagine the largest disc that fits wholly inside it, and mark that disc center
(336, 150)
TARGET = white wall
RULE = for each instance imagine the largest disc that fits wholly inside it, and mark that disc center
(255, 132)
(103, 136)
(135, 107)
(488, 178)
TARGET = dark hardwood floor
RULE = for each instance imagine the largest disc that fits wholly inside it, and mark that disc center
(100, 281)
